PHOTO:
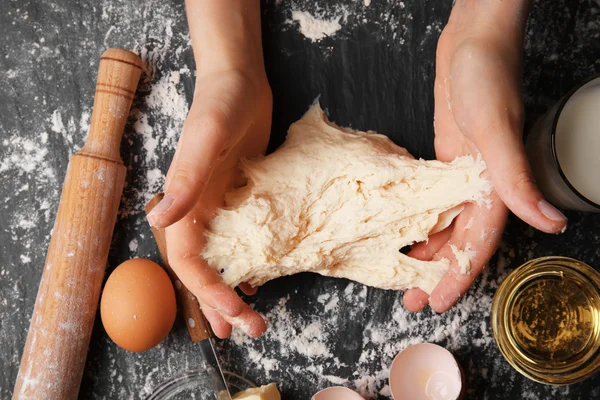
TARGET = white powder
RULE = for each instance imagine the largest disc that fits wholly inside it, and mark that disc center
(469, 251)
(391, 22)
(84, 122)
(315, 28)
(462, 258)
(386, 391)
(155, 180)
(133, 245)
(332, 304)
(35, 148)
(349, 289)
(315, 335)
(268, 364)
(469, 223)
(291, 335)
(36, 163)
(57, 124)
(311, 341)
(336, 380)
(323, 298)
(168, 106)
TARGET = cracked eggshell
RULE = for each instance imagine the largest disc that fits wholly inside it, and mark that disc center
(337, 393)
(425, 371)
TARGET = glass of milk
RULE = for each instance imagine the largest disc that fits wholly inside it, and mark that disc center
(564, 149)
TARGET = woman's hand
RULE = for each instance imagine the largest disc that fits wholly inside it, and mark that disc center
(230, 118)
(479, 110)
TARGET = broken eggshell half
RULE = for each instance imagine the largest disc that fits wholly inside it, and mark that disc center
(426, 371)
(337, 393)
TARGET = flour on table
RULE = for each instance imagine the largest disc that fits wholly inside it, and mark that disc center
(385, 20)
(315, 28)
(340, 203)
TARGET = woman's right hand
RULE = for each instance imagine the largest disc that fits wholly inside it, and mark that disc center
(230, 118)
(479, 112)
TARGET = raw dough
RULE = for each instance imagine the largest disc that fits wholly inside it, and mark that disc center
(340, 203)
(268, 392)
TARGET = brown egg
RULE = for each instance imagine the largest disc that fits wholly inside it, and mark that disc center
(138, 305)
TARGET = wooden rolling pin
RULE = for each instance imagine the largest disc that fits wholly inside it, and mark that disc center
(63, 317)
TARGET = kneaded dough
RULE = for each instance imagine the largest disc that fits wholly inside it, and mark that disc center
(342, 203)
(267, 392)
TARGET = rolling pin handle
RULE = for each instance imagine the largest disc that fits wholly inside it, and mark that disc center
(118, 76)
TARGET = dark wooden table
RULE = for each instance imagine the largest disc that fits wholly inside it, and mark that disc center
(376, 72)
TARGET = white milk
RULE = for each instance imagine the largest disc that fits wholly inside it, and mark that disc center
(564, 150)
(577, 142)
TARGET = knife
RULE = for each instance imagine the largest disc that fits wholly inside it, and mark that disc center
(197, 326)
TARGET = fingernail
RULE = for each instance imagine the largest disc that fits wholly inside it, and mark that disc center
(162, 207)
(550, 212)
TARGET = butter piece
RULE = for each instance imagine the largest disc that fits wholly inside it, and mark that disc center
(267, 392)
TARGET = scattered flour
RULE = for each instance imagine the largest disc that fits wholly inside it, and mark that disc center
(133, 245)
(386, 20)
(48, 128)
(319, 356)
(332, 304)
(314, 28)
(323, 298)
(316, 335)
(57, 124)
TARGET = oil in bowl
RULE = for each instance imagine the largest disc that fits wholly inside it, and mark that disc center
(546, 320)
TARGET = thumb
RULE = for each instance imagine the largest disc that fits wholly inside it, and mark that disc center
(510, 172)
(213, 126)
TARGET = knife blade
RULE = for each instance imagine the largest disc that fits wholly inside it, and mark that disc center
(197, 326)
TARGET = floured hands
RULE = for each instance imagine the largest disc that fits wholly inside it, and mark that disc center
(230, 118)
(479, 111)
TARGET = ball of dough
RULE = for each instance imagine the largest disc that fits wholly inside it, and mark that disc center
(341, 203)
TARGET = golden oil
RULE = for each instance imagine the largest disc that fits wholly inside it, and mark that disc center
(546, 320)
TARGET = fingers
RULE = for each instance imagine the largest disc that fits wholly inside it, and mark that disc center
(221, 304)
(220, 327)
(509, 169)
(219, 117)
(477, 233)
(483, 86)
(426, 250)
(250, 322)
(247, 289)
(218, 298)
(415, 299)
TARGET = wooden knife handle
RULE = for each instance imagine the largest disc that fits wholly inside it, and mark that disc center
(197, 326)
(58, 339)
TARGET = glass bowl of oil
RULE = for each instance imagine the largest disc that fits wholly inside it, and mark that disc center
(546, 320)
